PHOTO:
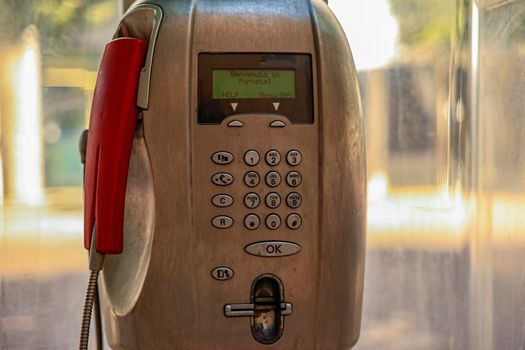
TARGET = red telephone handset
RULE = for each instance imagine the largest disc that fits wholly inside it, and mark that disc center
(111, 128)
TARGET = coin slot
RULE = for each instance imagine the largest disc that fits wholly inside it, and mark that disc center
(267, 321)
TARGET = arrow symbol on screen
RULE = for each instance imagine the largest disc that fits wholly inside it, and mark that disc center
(276, 105)
(234, 106)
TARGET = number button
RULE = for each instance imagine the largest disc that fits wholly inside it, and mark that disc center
(273, 157)
(222, 179)
(294, 157)
(294, 200)
(273, 200)
(273, 179)
(222, 158)
(252, 179)
(222, 222)
(273, 221)
(252, 200)
(252, 222)
(294, 179)
(222, 200)
(252, 157)
(294, 221)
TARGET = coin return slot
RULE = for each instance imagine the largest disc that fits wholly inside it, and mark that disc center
(266, 310)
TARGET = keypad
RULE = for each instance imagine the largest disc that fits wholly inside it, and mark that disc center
(262, 182)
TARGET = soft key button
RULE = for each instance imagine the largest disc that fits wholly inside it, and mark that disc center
(277, 124)
(222, 200)
(222, 179)
(222, 222)
(235, 124)
(222, 158)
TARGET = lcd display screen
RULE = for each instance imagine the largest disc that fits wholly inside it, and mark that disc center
(253, 84)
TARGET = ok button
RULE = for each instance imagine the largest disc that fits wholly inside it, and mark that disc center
(272, 249)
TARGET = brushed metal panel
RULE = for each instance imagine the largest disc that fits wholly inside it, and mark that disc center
(343, 212)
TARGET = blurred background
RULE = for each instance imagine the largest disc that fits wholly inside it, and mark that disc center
(441, 83)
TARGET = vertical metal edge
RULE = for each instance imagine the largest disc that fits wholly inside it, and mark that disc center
(319, 12)
(320, 117)
(145, 72)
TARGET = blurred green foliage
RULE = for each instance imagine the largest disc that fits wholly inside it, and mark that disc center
(71, 34)
(61, 23)
(425, 25)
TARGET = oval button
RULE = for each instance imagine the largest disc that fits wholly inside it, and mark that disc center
(222, 179)
(222, 200)
(222, 158)
(222, 273)
(272, 249)
(222, 221)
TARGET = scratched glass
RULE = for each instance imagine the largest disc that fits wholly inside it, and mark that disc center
(50, 52)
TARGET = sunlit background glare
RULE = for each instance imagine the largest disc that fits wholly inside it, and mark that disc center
(371, 29)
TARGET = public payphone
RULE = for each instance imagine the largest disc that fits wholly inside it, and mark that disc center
(226, 163)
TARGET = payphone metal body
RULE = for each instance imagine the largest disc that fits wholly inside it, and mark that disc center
(168, 289)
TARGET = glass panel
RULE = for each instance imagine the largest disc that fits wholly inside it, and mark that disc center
(417, 267)
(445, 138)
(501, 169)
(50, 50)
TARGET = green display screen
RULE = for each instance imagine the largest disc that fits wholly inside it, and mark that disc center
(253, 84)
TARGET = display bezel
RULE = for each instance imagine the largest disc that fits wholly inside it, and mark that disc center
(214, 111)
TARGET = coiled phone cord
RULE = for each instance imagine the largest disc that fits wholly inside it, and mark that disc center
(96, 261)
(88, 307)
